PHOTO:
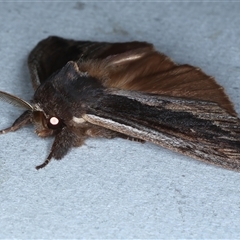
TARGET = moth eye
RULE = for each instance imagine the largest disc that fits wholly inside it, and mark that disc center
(54, 123)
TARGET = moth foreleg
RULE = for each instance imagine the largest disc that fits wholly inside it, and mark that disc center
(46, 162)
(21, 121)
(63, 142)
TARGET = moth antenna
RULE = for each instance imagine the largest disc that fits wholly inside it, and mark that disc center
(14, 100)
(46, 162)
(24, 119)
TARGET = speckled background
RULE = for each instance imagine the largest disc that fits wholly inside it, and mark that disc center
(116, 188)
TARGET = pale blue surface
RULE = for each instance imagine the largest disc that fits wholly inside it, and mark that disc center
(117, 188)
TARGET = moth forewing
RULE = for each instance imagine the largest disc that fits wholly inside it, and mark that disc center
(199, 129)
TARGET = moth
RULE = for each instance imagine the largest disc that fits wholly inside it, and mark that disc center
(98, 89)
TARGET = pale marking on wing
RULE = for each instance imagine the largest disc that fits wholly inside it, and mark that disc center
(78, 120)
(131, 58)
(145, 134)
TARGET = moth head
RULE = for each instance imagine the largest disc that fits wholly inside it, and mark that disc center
(59, 101)
(46, 125)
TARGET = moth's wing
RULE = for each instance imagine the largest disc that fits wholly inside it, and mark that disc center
(53, 53)
(152, 72)
(198, 129)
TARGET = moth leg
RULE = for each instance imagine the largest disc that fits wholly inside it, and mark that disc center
(96, 131)
(23, 120)
(46, 162)
(131, 138)
(63, 142)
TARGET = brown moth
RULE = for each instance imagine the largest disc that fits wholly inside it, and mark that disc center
(96, 89)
